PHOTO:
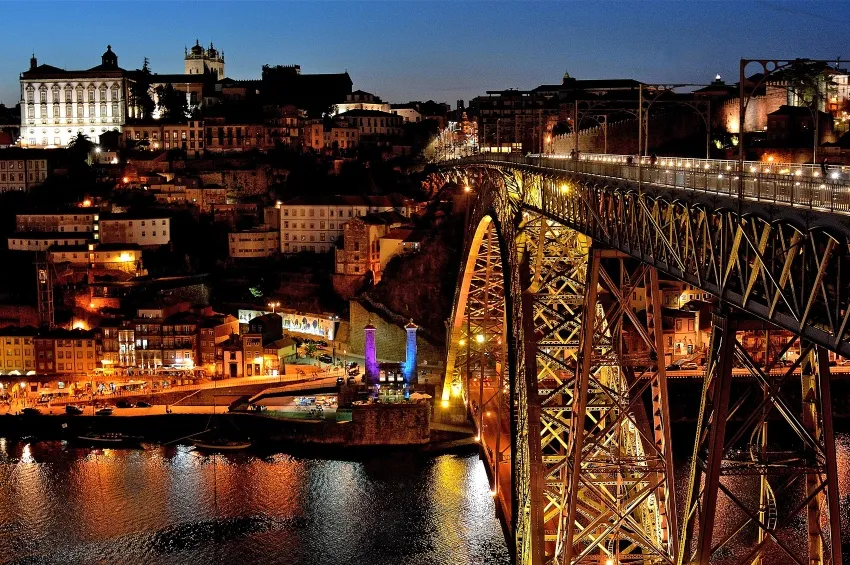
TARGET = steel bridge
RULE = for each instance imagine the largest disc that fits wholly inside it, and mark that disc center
(567, 385)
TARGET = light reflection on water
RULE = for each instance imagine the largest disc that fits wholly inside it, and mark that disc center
(174, 505)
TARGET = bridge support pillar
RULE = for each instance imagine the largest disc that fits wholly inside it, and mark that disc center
(620, 504)
(792, 470)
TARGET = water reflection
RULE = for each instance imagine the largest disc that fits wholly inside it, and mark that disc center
(59, 503)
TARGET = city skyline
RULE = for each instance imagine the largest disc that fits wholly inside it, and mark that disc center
(444, 52)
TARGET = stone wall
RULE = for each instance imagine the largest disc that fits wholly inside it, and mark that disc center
(390, 424)
(622, 135)
(242, 182)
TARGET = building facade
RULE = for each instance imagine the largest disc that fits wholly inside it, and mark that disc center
(57, 104)
(140, 231)
(255, 243)
(314, 224)
(22, 170)
(360, 252)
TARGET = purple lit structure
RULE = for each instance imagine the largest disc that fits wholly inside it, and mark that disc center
(371, 354)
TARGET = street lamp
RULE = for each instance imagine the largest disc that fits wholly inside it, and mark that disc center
(274, 305)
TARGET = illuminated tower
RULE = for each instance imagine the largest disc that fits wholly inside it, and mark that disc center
(371, 354)
(410, 353)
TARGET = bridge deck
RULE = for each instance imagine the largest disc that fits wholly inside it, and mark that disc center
(802, 186)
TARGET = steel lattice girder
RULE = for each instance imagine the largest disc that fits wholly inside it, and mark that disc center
(795, 277)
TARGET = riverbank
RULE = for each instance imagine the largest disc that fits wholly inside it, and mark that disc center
(370, 427)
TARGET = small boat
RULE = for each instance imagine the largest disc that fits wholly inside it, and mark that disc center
(221, 444)
(105, 411)
(73, 409)
(112, 438)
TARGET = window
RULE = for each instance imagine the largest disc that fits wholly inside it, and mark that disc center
(42, 95)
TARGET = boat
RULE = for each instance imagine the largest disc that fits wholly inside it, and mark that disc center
(105, 411)
(112, 438)
(221, 444)
(73, 409)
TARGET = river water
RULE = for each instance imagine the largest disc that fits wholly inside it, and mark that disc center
(62, 504)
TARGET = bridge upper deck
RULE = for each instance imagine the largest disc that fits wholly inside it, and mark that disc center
(803, 186)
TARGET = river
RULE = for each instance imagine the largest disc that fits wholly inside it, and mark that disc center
(62, 504)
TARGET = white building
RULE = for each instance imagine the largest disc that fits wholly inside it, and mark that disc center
(57, 104)
(374, 123)
(83, 222)
(408, 113)
(256, 243)
(314, 224)
(360, 100)
(141, 231)
(40, 241)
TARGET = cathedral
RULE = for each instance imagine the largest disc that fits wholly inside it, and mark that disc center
(197, 60)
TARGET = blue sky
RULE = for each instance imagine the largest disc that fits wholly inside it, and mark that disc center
(404, 50)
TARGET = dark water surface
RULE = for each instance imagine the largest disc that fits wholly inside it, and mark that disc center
(62, 504)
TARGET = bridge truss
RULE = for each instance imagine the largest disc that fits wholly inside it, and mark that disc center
(584, 396)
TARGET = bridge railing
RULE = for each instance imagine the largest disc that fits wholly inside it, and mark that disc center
(800, 187)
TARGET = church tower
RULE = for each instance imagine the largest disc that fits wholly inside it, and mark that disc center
(197, 60)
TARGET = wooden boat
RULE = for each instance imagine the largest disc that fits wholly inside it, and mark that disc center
(221, 444)
(110, 439)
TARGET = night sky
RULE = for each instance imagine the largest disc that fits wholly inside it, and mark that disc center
(429, 50)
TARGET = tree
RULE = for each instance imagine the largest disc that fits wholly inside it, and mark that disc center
(82, 147)
(310, 350)
(171, 104)
(140, 91)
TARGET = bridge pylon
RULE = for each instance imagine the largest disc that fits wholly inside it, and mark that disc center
(764, 459)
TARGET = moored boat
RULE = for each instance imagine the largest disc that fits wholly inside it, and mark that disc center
(221, 444)
(112, 439)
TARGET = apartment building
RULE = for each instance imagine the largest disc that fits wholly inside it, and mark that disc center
(315, 223)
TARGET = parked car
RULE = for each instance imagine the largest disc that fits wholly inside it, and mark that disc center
(352, 380)
(142, 404)
(354, 371)
(322, 343)
(340, 381)
(123, 404)
(690, 366)
(325, 358)
(673, 367)
(28, 411)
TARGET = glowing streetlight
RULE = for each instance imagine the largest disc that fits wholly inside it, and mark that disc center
(479, 338)
(274, 305)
